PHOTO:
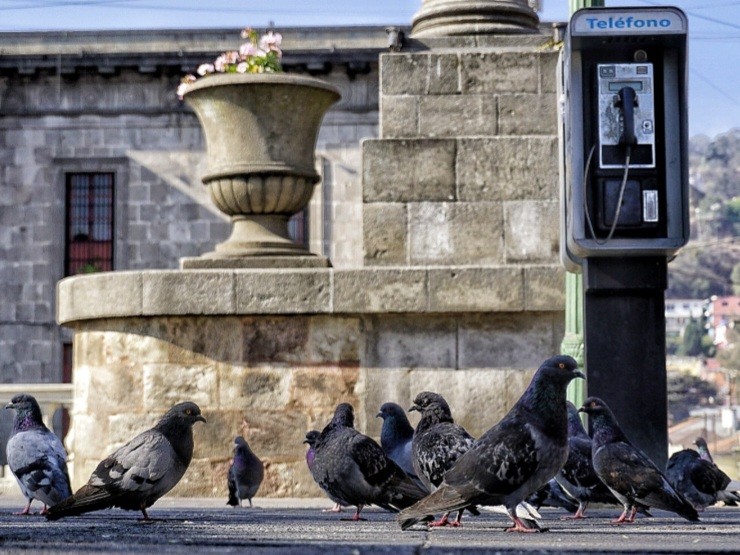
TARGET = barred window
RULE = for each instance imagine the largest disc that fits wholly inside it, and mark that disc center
(89, 223)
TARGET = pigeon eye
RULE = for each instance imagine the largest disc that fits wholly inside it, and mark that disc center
(561, 365)
(188, 412)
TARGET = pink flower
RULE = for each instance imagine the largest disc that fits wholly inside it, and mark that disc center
(248, 50)
(270, 42)
(242, 67)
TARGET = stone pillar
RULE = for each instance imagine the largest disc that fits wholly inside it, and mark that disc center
(445, 18)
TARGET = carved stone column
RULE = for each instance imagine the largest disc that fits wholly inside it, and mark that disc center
(444, 18)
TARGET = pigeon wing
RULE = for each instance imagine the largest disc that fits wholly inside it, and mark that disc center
(140, 466)
(39, 462)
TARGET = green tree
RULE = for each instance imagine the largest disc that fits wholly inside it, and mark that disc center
(691, 345)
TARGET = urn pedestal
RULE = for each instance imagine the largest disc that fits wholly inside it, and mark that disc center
(260, 132)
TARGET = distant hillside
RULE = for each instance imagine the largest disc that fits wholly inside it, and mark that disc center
(705, 266)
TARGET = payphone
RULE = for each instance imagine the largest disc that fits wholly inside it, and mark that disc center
(624, 134)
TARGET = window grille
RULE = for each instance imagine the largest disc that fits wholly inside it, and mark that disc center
(89, 223)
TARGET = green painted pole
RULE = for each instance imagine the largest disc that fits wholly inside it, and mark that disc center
(572, 343)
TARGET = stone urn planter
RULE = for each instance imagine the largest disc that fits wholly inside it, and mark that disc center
(260, 132)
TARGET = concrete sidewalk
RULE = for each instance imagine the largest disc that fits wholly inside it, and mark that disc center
(298, 526)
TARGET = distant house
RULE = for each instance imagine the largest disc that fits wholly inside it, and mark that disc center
(722, 313)
(679, 312)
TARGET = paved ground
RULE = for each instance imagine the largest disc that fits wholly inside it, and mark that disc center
(299, 527)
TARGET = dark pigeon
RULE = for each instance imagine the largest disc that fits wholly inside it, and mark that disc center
(578, 477)
(311, 438)
(245, 474)
(553, 495)
(513, 459)
(729, 494)
(630, 475)
(699, 480)
(437, 445)
(140, 472)
(353, 469)
(396, 437)
(36, 456)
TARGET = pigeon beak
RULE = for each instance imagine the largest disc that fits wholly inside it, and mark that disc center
(200, 418)
(413, 408)
(579, 374)
(379, 415)
(10, 406)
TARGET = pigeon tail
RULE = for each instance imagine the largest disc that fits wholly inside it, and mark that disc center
(443, 500)
(671, 500)
(87, 499)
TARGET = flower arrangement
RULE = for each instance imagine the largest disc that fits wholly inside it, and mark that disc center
(257, 55)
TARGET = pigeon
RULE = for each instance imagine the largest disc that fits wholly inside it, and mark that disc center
(396, 437)
(36, 456)
(700, 481)
(729, 494)
(578, 477)
(136, 475)
(630, 475)
(553, 495)
(311, 438)
(515, 457)
(353, 469)
(437, 444)
(245, 474)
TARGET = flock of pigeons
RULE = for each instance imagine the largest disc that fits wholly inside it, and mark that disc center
(539, 453)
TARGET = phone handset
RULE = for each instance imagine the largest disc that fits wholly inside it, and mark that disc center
(627, 100)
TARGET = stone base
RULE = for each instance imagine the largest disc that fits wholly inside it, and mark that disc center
(253, 262)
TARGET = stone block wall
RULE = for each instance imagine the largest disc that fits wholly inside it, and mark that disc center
(465, 169)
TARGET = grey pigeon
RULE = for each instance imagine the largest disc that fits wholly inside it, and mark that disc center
(137, 474)
(396, 437)
(578, 477)
(630, 475)
(437, 445)
(245, 474)
(513, 459)
(729, 494)
(699, 480)
(311, 439)
(353, 469)
(36, 456)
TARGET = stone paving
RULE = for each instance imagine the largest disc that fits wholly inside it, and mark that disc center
(299, 526)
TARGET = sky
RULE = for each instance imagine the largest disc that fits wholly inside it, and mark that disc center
(714, 31)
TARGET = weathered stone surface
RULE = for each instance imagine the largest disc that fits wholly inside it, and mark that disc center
(315, 387)
(242, 388)
(505, 340)
(398, 342)
(457, 233)
(532, 231)
(402, 170)
(335, 340)
(192, 292)
(458, 115)
(380, 290)
(275, 340)
(544, 288)
(399, 117)
(278, 292)
(528, 114)
(120, 293)
(419, 73)
(548, 71)
(476, 290)
(385, 233)
(499, 71)
(381, 385)
(165, 385)
(507, 168)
